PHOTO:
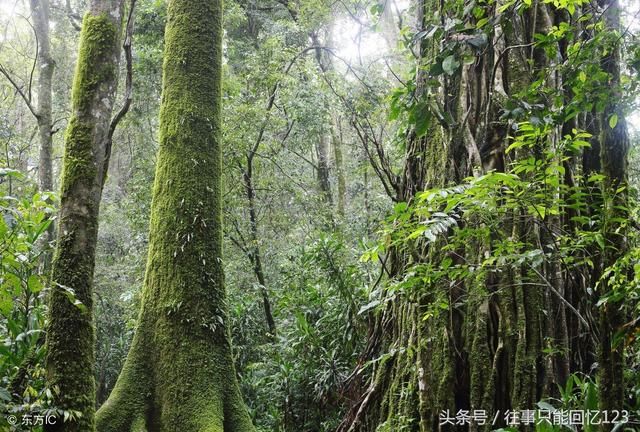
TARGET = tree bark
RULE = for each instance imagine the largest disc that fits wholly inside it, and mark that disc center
(613, 155)
(487, 350)
(179, 374)
(46, 65)
(338, 157)
(254, 253)
(70, 340)
(323, 169)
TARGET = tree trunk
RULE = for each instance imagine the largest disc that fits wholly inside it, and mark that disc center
(488, 349)
(613, 152)
(254, 248)
(338, 157)
(179, 374)
(46, 65)
(323, 169)
(70, 334)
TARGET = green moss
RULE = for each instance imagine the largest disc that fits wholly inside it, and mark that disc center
(479, 357)
(126, 408)
(179, 374)
(99, 34)
(78, 162)
(70, 333)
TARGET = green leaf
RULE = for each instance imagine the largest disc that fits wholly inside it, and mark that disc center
(450, 65)
(417, 232)
(400, 208)
(613, 121)
(3, 227)
(6, 303)
(71, 296)
(8, 172)
(481, 23)
(591, 397)
(546, 406)
(12, 282)
(5, 395)
(34, 284)
(368, 307)
(422, 119)
(377, 9)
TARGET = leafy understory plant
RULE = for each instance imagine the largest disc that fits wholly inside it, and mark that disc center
(23, 287)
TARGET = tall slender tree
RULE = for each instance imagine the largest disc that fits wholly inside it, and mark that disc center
(70, 338)
(46, 65)
(42, 109)
(179, 374)
(338, 158)
(253, 250)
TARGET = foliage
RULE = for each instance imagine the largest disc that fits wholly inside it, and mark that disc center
(482, 213)
(282, 97)
(296, 383)
(22, 308)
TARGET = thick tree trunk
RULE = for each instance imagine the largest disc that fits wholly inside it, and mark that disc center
(423, 369)
(46, 65)
(179, 374)
(487, 351)
(613, 152)
(70, 333)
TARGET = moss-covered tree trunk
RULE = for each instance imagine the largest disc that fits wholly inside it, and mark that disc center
(613, 152)
(420, 367)
(502, 340)
(179, 374)
(70, 332)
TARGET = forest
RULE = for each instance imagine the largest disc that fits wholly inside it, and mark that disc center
(319, 215)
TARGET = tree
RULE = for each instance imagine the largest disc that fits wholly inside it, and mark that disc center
(479, 161)
(253, 250)
(42, 110)
(70, 339)
(613, 154)
(494, 334)
(46, 66)
(336, 139)
(179, 373)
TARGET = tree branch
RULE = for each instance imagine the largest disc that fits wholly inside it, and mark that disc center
(19, 90)
(128, 98)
